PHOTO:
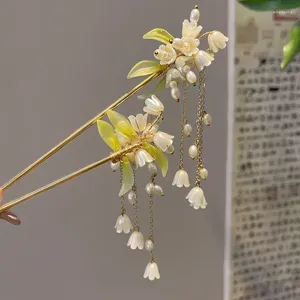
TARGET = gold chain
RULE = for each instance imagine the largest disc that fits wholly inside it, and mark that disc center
(135, 204)
(183, 122)
(151, 219)
(200, 125)
(123, 210)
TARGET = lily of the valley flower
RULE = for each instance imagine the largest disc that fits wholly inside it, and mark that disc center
(217, 40)
(188, 45)
(166, 54)
(153, 106)
(142, 157)
(181, 179)
(203, 59)
(196, 198)
(136, 240)
(123, 224)
(190, 29)
(152, 271)
(139, 122)
(163, 140)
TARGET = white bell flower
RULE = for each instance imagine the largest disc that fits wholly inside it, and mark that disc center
(217, 40)
(152, 271)
(138, 122)
(181, 179)
(163, 140)
(142, 157)
(153, 106)
(190, 29)
(166, 54)
(203, 59)
(123, 224)
(136, 240)
(196, 198)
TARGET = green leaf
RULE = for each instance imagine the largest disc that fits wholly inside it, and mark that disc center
(121, 124)
(270, 5)
(144, 67)
(127, 177)
(159, 157)
(293, 46)
(159, 34)
(160, 86)
(108, 135)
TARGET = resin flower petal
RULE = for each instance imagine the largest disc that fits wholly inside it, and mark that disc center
(203, 59)
(138, 122)
(127, 178)
(165, 54)
(163, 140)
(123, 224)
(181, 179)
(190, 29)
(187, 45)
(142, 157)
(136, 240)
(121, 124)
(196, 198)
(160, 158)
(152, 271)
(153, 106)
(108, 135)
(217, 40)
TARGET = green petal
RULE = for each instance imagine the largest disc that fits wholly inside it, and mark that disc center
(159, 34)
(121, 123)
(270, 5)
(159, 157)
(127, 178)
(144, 67)
(292, 47)
(108, 135)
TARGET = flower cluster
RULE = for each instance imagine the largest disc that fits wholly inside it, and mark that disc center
(190, 55)
(143, 139)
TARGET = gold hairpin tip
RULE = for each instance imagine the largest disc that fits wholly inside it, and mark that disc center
(171, 41)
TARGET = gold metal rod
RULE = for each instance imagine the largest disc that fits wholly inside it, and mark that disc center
(79, 131)
(66, 178)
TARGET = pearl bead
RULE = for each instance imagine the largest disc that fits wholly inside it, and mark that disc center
(158, 190)
(115, 166)
(173, 84)
(132, 197)
(195, 15)
(187, 129)
(207, 119)
(193, 151)
(203, 173)
(170, 150)
(191, 77)
(149, 188)
(149, 245)
(186, 69)
(152, 169)
(175, 93)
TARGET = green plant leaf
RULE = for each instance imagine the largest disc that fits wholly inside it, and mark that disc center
(293, 46)
(159, 157)
(127, 177)
(159, 34)
(270, 5)
(160, 86)
(144, 67)
(108, 135)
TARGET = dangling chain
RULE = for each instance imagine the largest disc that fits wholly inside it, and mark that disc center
(123, 210)
(135, 205)
(151, 223)
(200, 125)
(183, 123)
